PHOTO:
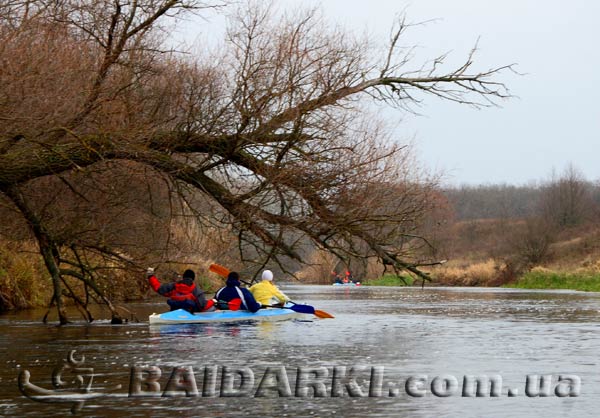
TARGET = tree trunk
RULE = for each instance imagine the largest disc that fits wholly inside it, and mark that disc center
(48, 248)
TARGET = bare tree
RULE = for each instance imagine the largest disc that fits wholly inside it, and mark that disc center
(566, 200)
(267, 138)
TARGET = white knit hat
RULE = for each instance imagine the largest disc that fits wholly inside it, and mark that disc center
(267, 275)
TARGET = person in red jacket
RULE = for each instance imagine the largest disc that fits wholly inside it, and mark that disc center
(183, 294)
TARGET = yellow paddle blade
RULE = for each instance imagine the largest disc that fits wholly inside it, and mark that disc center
(219, 269)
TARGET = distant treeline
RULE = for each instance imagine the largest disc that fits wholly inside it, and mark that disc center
(505, 201)
(493, 201)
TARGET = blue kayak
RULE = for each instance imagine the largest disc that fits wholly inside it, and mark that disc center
(181, 316)
(346, 284)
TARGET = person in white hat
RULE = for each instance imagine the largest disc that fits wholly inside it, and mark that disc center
(266, 293)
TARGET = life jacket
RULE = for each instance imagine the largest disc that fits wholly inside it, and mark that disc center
(183, 291)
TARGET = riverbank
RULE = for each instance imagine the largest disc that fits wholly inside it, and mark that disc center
(541, 279)
(571, 261)
(492, 274)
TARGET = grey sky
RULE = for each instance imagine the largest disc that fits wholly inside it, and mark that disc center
(554, 121)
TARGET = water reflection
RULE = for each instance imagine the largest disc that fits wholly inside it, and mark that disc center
(407, 331)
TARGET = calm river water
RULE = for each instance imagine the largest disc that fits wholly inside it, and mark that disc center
(381, 338)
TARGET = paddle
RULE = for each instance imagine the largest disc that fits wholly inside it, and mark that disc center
(307, 309)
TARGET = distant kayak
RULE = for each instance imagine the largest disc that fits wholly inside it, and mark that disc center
(346, 284)
(184, 317)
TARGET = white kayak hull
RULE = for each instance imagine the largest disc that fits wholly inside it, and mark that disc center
(184, 317)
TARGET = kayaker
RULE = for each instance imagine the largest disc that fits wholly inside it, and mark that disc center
(234, 297)
(182, 294)
(266, 293)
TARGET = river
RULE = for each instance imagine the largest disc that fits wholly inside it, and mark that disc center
(401, 352)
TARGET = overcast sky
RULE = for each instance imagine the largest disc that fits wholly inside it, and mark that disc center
(554, 121)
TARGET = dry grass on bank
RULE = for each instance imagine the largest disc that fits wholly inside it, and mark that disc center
(24, 282)
(484, 273)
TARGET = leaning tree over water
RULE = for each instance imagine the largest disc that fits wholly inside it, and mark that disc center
(106, 134)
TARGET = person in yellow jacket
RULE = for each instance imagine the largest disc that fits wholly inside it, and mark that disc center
(266, 293)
